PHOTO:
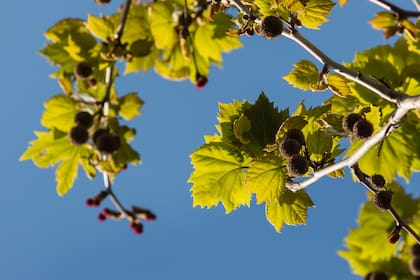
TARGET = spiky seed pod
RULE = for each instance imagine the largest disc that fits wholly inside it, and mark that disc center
(108, 142)
(82, 71)
(289, 147)
(83, 119)
(102, 2)
(296, 134)
(297, 165)
(78, 135)
(271, 27)
(377, 275)
(415, 250)
(349, 121)
(362, 129)
(382, 200)
(98, 133)
(414, 266)
(378, 181)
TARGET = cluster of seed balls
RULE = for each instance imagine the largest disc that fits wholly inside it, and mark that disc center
(383, 197)
(290, 148)
(356, 125)
(105, 141)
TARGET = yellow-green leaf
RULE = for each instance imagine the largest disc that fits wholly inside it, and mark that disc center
(219, 176)
(130, 106)
(59, 113)
(315, 13)
(266, 178)
(162, 25)
(383, 20)
(102, 27)
(338, 85)
(304, 74)
(66, 172)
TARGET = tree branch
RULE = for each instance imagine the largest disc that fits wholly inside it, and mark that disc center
(394, 8)
(399, 221)
(365, 81)
(407, 104)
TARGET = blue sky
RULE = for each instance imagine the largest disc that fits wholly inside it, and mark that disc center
(44, 236)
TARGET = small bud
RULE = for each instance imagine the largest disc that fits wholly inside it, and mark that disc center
(144, 214)
(137, 227)
(101, 217)
(200, 81)
(109, 213)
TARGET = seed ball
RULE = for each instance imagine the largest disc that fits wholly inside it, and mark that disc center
(102, 2)
(414, 266)
(271, 27)
(78, 135)
(289, 147)
(92, 82)
(415, 250)
(362, 129)
(83, 119)
(296, 134)
(108, 142)
(82, 71)
(382, 200)
(98, 133)
(377, 275)
(378, 181)
(297, 165)
(349, 122)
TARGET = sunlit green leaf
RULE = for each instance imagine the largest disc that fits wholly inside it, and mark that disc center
(162, 25)
(59, 113)
(315, 13)
(304, 75)
(130, 106)
(219, 176)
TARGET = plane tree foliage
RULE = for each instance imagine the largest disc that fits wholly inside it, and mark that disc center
(259, 150)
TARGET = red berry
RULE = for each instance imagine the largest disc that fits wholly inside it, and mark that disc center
(137, 227)
(101, 217)
(200, 81)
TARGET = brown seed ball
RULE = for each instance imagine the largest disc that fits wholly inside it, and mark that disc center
(296, 134)
(382, 200)
(82, 71)
(349, 121)
(83, 119)
(377, 275)
(362, 129)
(297, 165)
(289, 148)
(415, 250)
(102, 2)
(108, 142)
(78, 135)
(271, 27)
(378, 181)
(98, 133)
(414, 266)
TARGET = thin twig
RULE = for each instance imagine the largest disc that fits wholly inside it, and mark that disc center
(365, 81)
(417, 4)
(394, 8)
(399, 221)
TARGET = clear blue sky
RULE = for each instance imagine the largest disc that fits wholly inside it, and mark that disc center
(44, 236)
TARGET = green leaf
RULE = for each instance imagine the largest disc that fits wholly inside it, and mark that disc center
(383, 20)
(291, 209)
(319, 143)
(265, 121)
(211, 39)
(162, 25)
(240, 127)
(130, 105)
(60, 31)
(102, 27)
(66, 172)
(37, 150)
(315, 13)
(338, 85)
(60, 111)
(303, 76)
(395, 146)
(219, 176)
(266, 178)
